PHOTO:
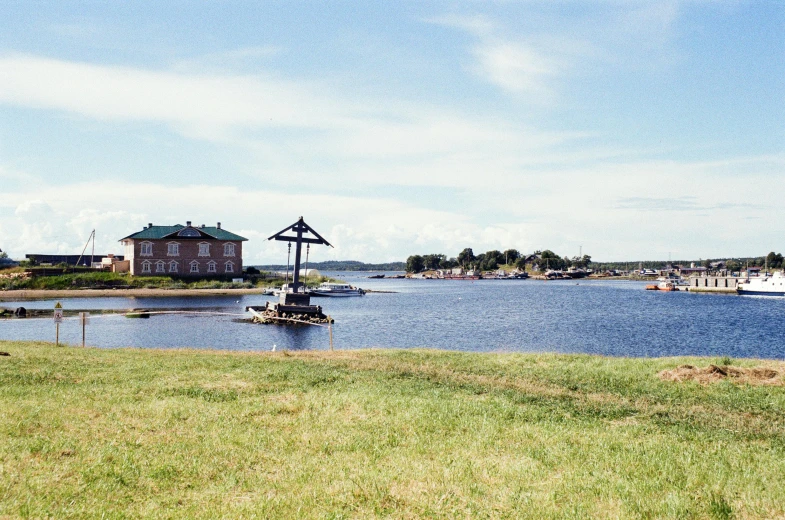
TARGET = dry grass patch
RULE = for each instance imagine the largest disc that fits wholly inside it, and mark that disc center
(761, 375)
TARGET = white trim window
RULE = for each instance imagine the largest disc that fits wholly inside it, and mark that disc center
(172, 266)
(194, 266)
(229, 267)
(204, 249)
(146, 249)
(173, 249)
(160, 266)
(211, 267)
(146, 266)
(228, 249)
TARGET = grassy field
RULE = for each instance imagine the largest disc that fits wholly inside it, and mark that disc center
(379, 433)
(102, 279)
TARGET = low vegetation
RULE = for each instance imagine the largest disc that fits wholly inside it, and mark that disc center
(11, 279)
(381, 433)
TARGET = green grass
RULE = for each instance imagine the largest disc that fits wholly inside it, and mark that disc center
(380, 433)
(108, 280)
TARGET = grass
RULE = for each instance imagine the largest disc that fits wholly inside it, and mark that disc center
(103, 279)
(380, 433)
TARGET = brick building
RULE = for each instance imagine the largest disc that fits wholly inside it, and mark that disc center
(185, 251)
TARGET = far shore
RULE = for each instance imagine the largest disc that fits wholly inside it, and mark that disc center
(24, 294)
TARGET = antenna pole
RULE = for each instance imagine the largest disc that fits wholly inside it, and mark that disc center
(288, 257)
(307, 252)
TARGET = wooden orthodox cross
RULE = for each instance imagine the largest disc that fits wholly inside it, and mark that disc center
(300, 228)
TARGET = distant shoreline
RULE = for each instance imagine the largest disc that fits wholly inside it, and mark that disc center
(22, 294)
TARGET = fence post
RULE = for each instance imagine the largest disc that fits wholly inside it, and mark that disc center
(330, 329)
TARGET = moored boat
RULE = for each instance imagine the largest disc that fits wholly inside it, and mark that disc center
(763, 285)
(337, 289)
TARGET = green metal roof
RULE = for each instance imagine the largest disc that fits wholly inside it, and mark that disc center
(160, 232)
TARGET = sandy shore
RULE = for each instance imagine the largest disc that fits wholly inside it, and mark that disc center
(90, 293)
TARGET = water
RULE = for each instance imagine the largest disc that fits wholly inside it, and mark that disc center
(614, 318)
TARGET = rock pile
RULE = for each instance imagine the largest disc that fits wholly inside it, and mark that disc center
(270, 316)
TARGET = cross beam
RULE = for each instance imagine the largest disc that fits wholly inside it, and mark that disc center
(299, 228)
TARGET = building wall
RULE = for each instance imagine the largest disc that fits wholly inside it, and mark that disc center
(714, 283)
(188, 253)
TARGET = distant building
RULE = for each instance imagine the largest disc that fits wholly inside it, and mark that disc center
(84, 260)
(184, 251)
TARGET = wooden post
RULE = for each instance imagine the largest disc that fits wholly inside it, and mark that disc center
(83, 319)
(330, 329)
(58, 317)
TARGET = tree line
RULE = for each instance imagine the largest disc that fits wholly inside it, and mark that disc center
(491, 260)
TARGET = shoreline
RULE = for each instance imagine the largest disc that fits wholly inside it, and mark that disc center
(28, 294)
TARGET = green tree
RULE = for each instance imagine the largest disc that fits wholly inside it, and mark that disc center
(433, 261)
(448, 263)
(551, 260)
(491, 260)
(414, 264)
(511, 256)
(466, 257)
(581, 262)
(774, 260)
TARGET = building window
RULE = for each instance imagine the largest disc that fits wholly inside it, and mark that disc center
(160, 266)
(147, 249)
(146, 266)
(172, 266)
(204, 249)
(229, 267)
(228, 249)
(173, 249)
(211, 267)
(194, 266)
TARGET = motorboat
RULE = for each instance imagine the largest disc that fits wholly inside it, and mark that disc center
(289, 287)
(677, 281)
(763, 285)
(336, 289)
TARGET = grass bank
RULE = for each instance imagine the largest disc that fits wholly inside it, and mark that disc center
(81, 284)
(357, 434)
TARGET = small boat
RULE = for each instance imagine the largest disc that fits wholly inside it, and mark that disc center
(763, 285)
(337, 289)
(377, 276)
(287, 288)
(573, 272)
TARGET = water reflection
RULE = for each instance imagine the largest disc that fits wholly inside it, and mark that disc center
(604, 317)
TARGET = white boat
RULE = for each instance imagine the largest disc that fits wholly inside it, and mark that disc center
(287, 288)
(336, 289)
(677, 281)
(763, 285)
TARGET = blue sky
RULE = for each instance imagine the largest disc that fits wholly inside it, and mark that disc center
(632, 129)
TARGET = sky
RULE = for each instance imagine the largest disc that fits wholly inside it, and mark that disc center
(625, 130)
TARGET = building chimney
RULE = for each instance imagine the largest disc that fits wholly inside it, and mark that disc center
(188, 223)
(219, 225)
(149, 224)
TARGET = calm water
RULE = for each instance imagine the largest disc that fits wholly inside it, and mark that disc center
(615, 318)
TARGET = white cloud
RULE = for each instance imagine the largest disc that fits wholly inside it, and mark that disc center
(516, 67)
(616, 211)
(128, 94)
